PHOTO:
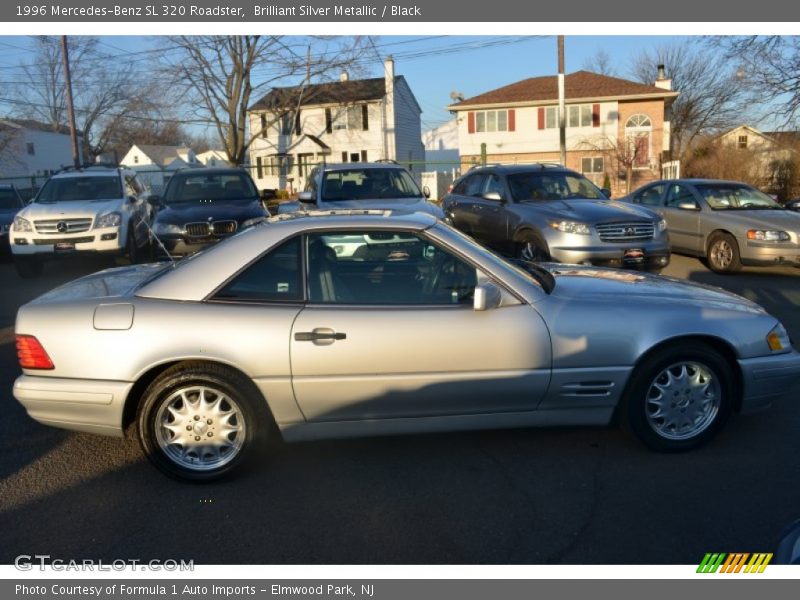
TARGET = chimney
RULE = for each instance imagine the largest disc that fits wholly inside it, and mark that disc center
(344, 76)
(662, 81)
(388, 102)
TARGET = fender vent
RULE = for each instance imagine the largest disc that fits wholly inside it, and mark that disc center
(587, 388)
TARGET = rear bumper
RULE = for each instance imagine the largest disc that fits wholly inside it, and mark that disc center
(768, 378)
(92, 406)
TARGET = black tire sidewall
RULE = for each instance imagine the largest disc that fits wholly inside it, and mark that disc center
(534, 238)
(163, 386)
(634, 405)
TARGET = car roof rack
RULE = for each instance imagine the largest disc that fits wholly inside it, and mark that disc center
(387, 160)
(83, 167)
(542, 165)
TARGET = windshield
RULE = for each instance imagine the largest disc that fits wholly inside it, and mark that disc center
(552, 186)
(76, 189)
(216, 186)
(8, 199)
(368, 184)
(721, 196)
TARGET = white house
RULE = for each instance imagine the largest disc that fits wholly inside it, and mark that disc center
(214, 158)
(31, 151)
(348, 120)
(441, 147)
(156, 164)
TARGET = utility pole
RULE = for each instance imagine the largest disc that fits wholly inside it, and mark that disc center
(73, 133)
(562, 111)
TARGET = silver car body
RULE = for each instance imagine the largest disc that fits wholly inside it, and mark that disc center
(539, 358)
(691, 229)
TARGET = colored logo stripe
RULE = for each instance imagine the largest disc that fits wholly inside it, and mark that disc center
(710, 563)
(734, 562)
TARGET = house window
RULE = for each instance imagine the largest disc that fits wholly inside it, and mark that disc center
(363, 156)
(491, 120)
(136, 159)
(353, 118)
(592, 164)
(287, 122)
(742, 142)
(344, 156)
(551, 117)
(638, 129)
(31, 149)
(579, 115)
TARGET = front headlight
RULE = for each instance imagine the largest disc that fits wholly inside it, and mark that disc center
(778, 339)
(767, 235)
(112, 219)
(166, 228)
(21, 224)
(661, 225)
(571, 227)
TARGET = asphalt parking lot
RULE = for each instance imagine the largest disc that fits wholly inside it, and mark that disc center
(565, 495)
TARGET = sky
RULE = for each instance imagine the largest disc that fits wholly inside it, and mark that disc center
(434, 66)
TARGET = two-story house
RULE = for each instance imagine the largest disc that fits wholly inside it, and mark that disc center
(356, 120)
(614, 127)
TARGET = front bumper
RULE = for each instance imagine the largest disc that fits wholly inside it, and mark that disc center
(180, 246)
(761, 254)
(767, 378)
(30, 244)
(92, 406)
(655, 253)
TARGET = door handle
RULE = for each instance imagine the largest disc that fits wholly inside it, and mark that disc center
(320, 335)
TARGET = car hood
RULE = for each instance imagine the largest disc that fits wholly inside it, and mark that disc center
(117, 282)
(181, 213)
(413, 204)
(73, 208)
(630, 287)
(782, 220)
(592, 211)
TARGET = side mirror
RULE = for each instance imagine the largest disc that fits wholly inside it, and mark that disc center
(493, 196)
(486, 297)
(688, 205)
(306, 197)
(267, 194)
(606, 192)
(426, 191)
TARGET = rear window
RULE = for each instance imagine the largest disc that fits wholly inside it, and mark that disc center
(217, 186)
(69, 189)
(368, 184)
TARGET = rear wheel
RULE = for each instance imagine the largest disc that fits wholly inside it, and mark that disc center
(531, 247)
(200, 422)
(679, 398)
(28, 268)
(723, 254)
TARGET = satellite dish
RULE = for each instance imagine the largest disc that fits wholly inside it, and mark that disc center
(456, 96)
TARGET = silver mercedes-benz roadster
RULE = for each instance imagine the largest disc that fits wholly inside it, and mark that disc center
(415, 328)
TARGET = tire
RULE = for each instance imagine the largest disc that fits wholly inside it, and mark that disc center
(723, 254)
(692, 380)
(531, 247)
(193, 403)
(28, 268)
(131, 255)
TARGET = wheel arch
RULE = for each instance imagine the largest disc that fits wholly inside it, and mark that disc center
(718, 231)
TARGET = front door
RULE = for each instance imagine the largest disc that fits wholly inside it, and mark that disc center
(389, 331)
(683, 223)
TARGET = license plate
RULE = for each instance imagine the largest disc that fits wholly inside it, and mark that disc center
(633, 255)
(64, 246)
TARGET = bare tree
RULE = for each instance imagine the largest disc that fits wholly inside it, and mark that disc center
(711, 95)
(623, 155)
(9, 148)
(600, 62)
(223, 75)
(769, 67)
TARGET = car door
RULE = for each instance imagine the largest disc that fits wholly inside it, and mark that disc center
(492, 218)
(391, 333)
(461, 204)
(682, 213)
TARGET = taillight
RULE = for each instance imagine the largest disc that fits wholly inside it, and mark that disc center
(31, 354)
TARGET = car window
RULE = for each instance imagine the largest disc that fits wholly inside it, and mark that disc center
(275, 277)
(650, 196)
(8, 199)
(366, 184)
(385, 268)
(724, 196)
(214, 186)
(548, 185)
(473, 185)
(494, 184)
(679, 193)
(76, 189)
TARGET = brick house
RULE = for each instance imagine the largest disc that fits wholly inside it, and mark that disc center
(356, 120)
(612, 125)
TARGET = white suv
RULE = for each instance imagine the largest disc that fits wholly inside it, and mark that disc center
(94, 209)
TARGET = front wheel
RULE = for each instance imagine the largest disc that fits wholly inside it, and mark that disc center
(532, 248)
(723, 254)
(199, 422)
(679, 397)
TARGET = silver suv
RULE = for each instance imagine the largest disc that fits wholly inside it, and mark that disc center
(545, 212)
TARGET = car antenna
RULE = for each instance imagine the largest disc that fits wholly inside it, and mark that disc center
(160, 243)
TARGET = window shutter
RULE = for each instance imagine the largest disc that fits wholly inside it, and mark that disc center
(344, 157)
(363, 156)
(297, 123)
(263, 125)
(364, 118)
(328, 121)
(470, 122)
(259, 167)
(595, 115)
(541, 117)
(512, 121)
